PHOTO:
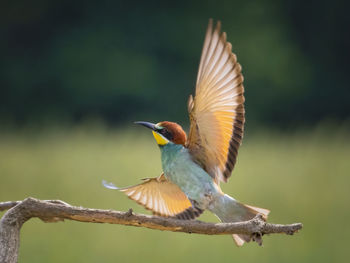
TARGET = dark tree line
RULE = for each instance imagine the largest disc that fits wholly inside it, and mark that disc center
(127, 60)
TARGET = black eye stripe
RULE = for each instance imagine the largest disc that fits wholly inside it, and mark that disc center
(166, 134)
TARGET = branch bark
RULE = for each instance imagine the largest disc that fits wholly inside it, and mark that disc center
(55, 210)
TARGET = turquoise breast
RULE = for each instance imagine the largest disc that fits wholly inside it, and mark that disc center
(179, 168)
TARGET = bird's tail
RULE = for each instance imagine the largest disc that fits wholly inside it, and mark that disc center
(229, 210)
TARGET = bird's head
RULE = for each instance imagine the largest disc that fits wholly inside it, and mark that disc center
(165, 132)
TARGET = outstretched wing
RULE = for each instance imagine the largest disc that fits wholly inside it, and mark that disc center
(162, 197)
(217, 111)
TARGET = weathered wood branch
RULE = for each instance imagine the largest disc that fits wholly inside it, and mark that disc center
(54, 210)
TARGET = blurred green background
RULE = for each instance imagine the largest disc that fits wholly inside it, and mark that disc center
(74, 75)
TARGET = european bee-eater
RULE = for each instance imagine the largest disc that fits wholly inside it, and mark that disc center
(193, 166)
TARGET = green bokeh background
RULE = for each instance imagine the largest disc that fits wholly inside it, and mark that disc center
(74, 75)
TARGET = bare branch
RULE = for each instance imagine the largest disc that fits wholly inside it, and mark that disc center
(56, 210)
(7, 205)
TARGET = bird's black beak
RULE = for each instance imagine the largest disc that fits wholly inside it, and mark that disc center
(146, 124)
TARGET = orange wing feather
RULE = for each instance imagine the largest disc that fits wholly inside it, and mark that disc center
(217, 111)
(163, 198)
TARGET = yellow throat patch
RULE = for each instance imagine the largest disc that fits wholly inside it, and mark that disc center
(161, 140)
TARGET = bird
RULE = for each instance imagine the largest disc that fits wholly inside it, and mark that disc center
(194, 165)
